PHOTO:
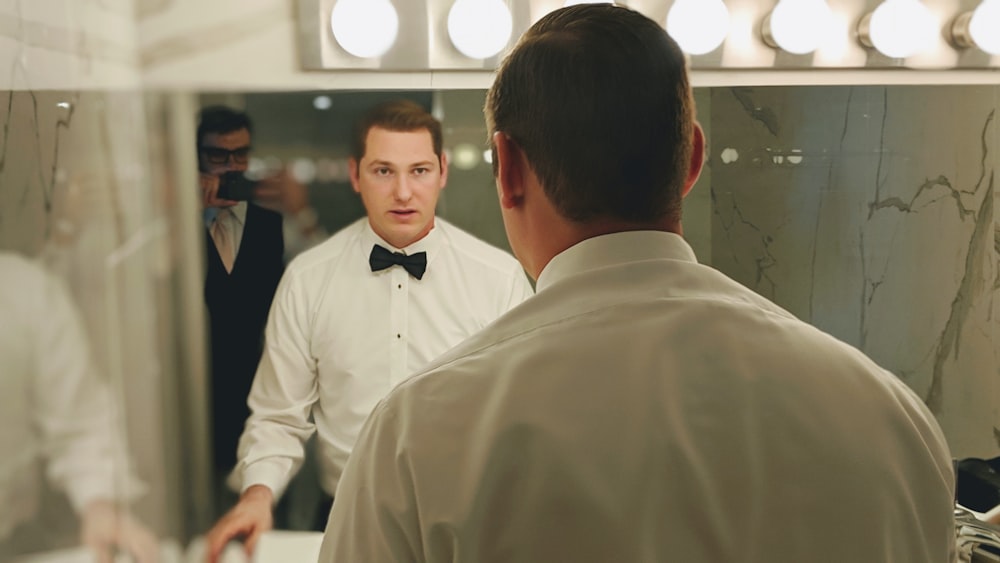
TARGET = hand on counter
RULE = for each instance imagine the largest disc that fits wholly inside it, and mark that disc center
(249, 519)
(105, 530)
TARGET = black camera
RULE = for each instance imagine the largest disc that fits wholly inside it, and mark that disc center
(235, 186)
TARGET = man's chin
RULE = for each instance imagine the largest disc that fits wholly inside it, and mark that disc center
(406, 237)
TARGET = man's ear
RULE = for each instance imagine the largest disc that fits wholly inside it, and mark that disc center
(352, 166)
(510, 167)
(697, 159)
(444, 169)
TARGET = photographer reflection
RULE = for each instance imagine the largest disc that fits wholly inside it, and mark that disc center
(244, 249)
(58, 426)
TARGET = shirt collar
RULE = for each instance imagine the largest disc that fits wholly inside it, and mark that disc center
(614, 249)
(239, 212)
(429, 244)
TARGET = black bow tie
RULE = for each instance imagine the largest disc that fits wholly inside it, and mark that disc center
(381, 259)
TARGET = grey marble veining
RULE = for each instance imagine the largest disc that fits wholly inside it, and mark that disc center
(867, 212)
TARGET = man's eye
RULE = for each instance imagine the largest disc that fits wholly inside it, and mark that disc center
(382, 171)
(421, 171)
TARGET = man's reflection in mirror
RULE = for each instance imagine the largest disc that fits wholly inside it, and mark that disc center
(59, 428)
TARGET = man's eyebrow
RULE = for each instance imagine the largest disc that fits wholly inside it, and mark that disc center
(387, 163)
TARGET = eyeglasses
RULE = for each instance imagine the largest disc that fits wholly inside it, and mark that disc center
(219, 155)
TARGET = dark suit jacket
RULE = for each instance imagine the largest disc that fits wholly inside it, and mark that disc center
(238, 303)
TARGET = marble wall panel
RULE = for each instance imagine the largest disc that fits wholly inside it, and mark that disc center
(232, 45)
(68, 44)
(867, 211)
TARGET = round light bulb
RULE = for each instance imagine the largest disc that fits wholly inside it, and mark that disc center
(364, 28)
(569, 3)
(984, 27)
(901, 28)
(698, 26)
(322, 103)
(479, 29)
(465, 156)
(799, 26)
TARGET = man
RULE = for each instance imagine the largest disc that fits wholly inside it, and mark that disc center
(58, 424)
(244, 246)
(640, 407)
(358, 314)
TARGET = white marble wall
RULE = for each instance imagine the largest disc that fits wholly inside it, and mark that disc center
(68, 44)
(868, 211)
(240, 45)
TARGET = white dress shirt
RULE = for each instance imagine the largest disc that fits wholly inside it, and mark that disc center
(340, 336)
(644, 408)
(57, 420)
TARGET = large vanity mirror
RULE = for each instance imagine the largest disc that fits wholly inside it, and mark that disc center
(865, 210)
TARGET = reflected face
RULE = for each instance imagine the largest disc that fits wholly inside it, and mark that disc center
(224, 152)
(399, 179)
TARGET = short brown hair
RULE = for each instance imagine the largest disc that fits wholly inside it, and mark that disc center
(396, 115)
(598, 98)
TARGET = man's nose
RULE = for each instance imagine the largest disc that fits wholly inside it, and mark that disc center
(402, 190)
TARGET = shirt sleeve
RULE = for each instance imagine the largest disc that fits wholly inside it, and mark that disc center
(374, 516)
(78, 419)
(284, 390)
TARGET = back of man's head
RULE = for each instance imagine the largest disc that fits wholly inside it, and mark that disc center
(597, 96)
(221, 120)
(396, 115)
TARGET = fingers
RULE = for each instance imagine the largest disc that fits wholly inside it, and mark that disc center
(268, 194)
(103, 552)
(219, 537)
(140, 542)
(282, 189)
(209, 184)
(247, 519)
(250, 543)
(209, 188)
(105, 534)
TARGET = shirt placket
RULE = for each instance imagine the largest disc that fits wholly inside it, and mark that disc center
(399, 317)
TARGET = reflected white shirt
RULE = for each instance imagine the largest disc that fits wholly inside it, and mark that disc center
(57, 420)
(642, 407)
(340, 336)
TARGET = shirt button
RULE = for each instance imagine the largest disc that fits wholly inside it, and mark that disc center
(400, 286)
(398, 336)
